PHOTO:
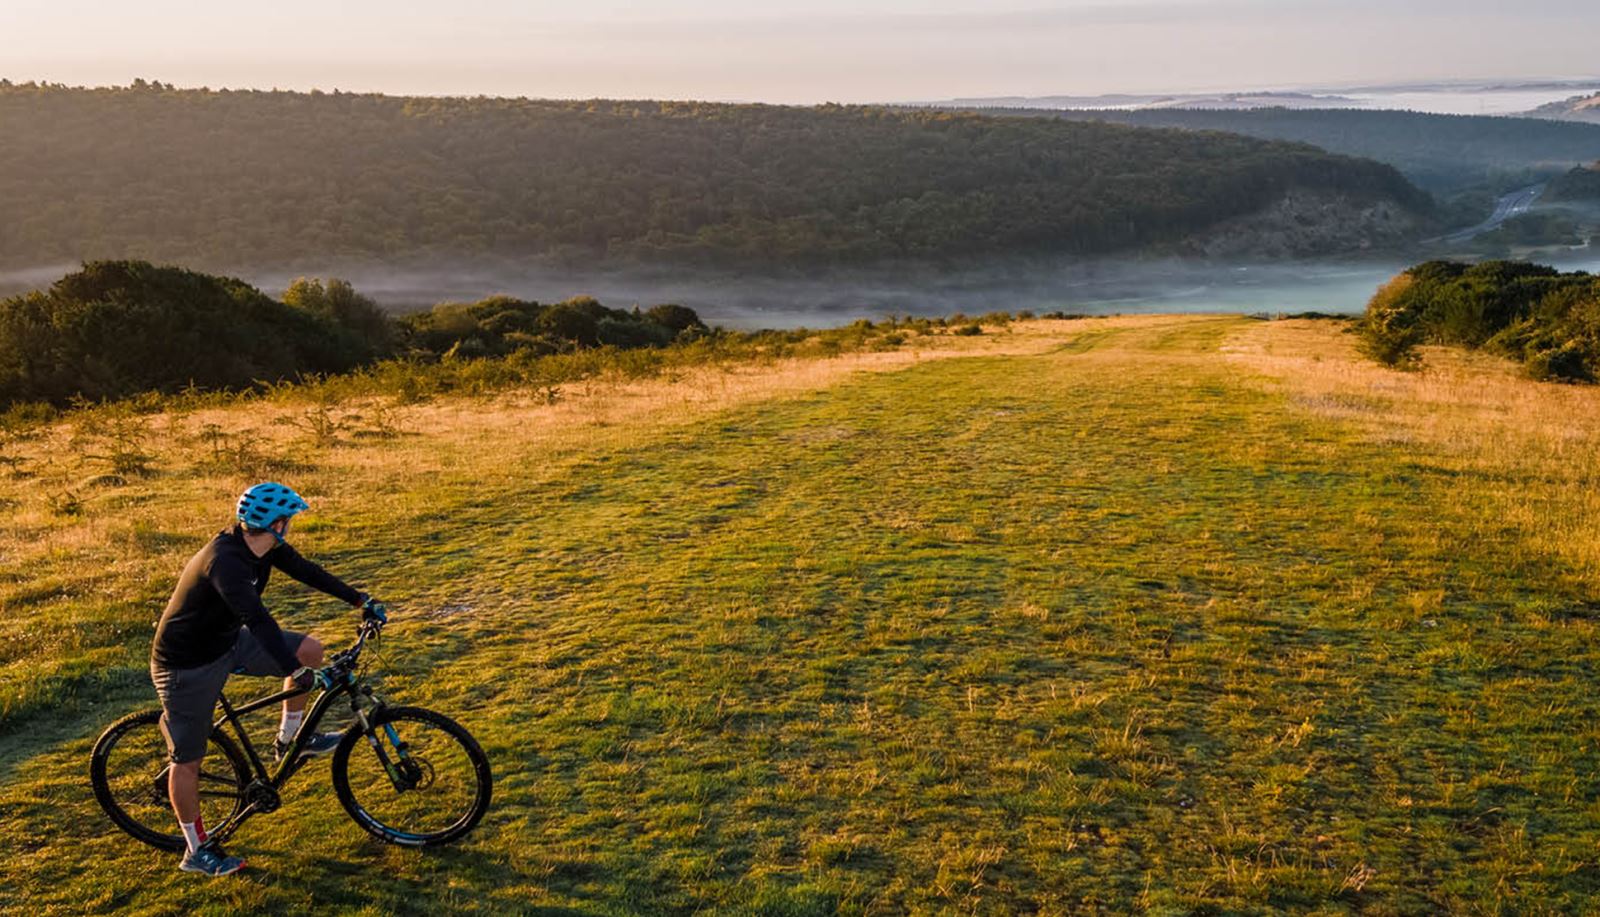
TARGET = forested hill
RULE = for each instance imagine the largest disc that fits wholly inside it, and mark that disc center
(1443, 153)
(237, 178)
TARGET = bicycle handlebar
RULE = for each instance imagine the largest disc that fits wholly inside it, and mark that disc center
(344, 660)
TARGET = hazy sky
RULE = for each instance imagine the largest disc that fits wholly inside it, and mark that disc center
(794, 50)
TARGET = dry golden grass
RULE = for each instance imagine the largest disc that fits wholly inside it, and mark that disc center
(380, 448)
(1531, 449)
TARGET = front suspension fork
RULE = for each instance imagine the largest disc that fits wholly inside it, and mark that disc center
(401, 770)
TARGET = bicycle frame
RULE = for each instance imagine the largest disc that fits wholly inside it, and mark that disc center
(262, 792)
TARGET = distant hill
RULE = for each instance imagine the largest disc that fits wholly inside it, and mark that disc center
(1129, 101)
(227, 180)
(1578, 108)
(1443, 153)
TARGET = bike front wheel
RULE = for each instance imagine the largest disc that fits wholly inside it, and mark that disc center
(416, 779)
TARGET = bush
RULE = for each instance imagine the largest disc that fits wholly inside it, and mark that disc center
(116, 328)
(1568, 363)
(572, 323)
(1546, 320)
(1389, 331)
(1391, 344)
(675, 317)
(628, 333)
(502, 325)
(339, 303)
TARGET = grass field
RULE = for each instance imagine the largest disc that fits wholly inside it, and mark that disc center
(1161, 614)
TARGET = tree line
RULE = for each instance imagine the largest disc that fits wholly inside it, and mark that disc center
(118, 328)
(235, 179)
(1446, 154)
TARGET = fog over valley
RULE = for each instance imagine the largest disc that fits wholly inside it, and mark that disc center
(829, 297)
(824, 297)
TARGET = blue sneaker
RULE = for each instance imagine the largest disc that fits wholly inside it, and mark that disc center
(211, 860)
(320, 743)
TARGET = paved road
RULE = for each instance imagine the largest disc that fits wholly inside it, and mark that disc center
(1514, 204)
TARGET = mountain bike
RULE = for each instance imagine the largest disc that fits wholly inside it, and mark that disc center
(407, 775)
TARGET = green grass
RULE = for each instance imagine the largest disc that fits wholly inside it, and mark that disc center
(1112, 628)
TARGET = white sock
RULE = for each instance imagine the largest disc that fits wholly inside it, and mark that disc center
(291, 725)
(191, 834)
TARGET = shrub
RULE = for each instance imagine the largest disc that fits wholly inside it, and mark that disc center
(1548, 321)
(630, 333)
(466, 349)
(571, 322)
(675, 317)
(1568, 363)
(1391, 343)
(339, 303)
(503, 325)
(116, 328)
(1389, 331)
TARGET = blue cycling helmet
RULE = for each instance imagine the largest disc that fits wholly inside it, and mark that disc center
(266, 503)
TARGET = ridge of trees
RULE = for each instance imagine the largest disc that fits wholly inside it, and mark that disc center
(230, 179)
(1445, 154)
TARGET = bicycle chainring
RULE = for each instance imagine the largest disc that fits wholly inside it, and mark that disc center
(262, 797)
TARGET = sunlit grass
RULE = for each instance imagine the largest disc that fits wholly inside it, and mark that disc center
(1173, 614)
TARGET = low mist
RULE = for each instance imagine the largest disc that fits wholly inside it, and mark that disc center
(824, 298)
(831, 297)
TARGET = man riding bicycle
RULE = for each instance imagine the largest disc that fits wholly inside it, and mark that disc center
(215, 625)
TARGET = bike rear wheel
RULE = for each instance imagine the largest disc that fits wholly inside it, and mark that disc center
(128, 770)
(418, 779)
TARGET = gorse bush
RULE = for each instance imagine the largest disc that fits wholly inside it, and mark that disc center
(119, 327)
(339, 303)
(501, 325)
(1546, 320)
(1390, 335)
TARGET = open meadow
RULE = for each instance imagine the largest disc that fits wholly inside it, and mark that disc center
(1160, 614)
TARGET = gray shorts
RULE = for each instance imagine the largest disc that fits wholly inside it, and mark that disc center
(189, 696)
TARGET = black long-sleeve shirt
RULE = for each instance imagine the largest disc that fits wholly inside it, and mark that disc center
(220, 590)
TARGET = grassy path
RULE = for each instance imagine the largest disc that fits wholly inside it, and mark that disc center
(1110, 628)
